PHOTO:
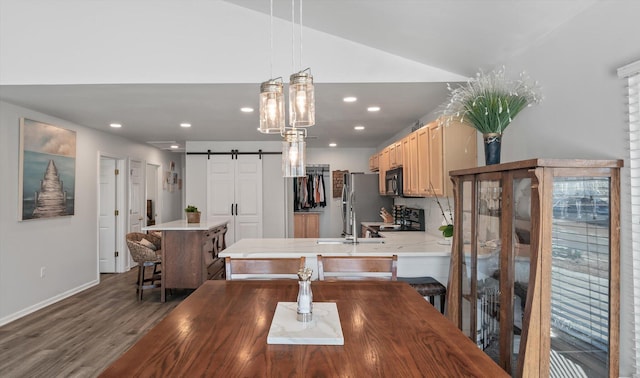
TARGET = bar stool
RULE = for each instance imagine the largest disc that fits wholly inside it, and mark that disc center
(428, 287)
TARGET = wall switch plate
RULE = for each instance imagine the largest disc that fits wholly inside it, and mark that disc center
(42, 272)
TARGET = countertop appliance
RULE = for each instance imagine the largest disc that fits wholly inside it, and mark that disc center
(393, 182)
(361, 201)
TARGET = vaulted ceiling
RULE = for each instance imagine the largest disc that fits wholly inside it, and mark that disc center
(151, 65)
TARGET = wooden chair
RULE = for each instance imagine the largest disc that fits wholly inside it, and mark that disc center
(258, 268)
(357, 267)
(148, 255)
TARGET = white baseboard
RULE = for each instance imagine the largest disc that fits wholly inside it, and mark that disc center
(17, 315)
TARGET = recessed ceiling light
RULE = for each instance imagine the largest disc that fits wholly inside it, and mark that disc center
(184, 124)
(115, 125)
(332, 144)
(174, 146)
(373, 108)
(359, 127)
(349, 99)
(246, 110)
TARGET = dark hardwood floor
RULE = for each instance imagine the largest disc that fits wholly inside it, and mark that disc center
(82, 335)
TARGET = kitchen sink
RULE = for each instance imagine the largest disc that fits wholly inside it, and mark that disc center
(350, 241)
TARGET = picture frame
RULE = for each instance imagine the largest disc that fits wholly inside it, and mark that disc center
(47, 172)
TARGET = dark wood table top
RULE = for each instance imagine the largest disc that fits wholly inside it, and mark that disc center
(221, 330)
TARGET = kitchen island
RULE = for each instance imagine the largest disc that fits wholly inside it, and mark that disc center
(419, 253)
(190, 253)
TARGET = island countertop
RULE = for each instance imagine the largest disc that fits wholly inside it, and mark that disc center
(419, 253)
(399, 243)
(182, 225)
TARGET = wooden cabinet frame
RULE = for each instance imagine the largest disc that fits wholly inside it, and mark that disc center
(533, 356)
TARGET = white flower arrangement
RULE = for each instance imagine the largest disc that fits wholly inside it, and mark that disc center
(491, 101)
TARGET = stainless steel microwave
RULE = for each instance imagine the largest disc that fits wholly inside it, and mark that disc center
(393, 182)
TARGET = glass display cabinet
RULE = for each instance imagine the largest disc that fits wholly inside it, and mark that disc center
(535, 270)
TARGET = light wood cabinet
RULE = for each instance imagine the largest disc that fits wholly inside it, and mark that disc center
(406, 166)
(373, 163)
(534, 278)
(423, 162)
(383, 163)
(395, 155)
(438, 150)
(306, 225)
(410, 168)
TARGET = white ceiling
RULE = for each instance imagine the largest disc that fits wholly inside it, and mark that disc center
(457, 36)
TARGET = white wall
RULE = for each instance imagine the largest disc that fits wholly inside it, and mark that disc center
(66, 246)
(584, 112)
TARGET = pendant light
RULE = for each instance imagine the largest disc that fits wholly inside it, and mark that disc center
(271, 107)
(293, 153)
(302, 112)
(272, 116)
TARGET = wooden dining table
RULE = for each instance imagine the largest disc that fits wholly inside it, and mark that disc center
(221, 330)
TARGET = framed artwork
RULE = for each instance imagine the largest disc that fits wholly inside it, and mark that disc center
(47, 174)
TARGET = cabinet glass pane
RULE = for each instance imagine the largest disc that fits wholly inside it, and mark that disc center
(521, 256)
(580, 276)
(467, 305)
(488, 267)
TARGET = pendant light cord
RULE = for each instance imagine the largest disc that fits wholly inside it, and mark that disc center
(293, 36)
(271, 40)
(300, 62)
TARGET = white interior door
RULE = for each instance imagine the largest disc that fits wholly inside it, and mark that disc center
(234, 193)
(221, 192)
(107, 220)
(136, 196)
(248, 195)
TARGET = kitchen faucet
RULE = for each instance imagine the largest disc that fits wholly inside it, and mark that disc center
(354, 226)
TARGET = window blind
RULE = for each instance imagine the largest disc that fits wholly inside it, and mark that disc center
(632, 73)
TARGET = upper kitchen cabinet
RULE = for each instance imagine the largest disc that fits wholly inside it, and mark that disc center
(373, 163)
(410, 166)
(395, 155)
(534, 279)
(383, 165)
(434, 150)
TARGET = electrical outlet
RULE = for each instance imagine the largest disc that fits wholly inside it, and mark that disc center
(43, 270)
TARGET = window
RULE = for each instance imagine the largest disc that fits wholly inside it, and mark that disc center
(632, 73)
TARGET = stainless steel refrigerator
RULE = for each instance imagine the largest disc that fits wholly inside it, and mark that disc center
(360, 196)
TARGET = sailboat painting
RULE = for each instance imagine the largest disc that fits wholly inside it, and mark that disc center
(47, 170)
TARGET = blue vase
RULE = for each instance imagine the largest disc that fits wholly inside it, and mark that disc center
(492, 143)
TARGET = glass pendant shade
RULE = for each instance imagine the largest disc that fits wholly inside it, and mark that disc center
(293, 154)
(302, 108)
(271, 107)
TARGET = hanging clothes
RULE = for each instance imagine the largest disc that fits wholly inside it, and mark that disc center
(309, 192)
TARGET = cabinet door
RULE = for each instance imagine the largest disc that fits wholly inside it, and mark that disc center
(436, 168)
(423, 161)
(488, 269)
(406, 166)
(299, 226)
(392, 156)
(383, 163)
(399, 154)
(313, 226)
(413, 164)
(373, 163)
